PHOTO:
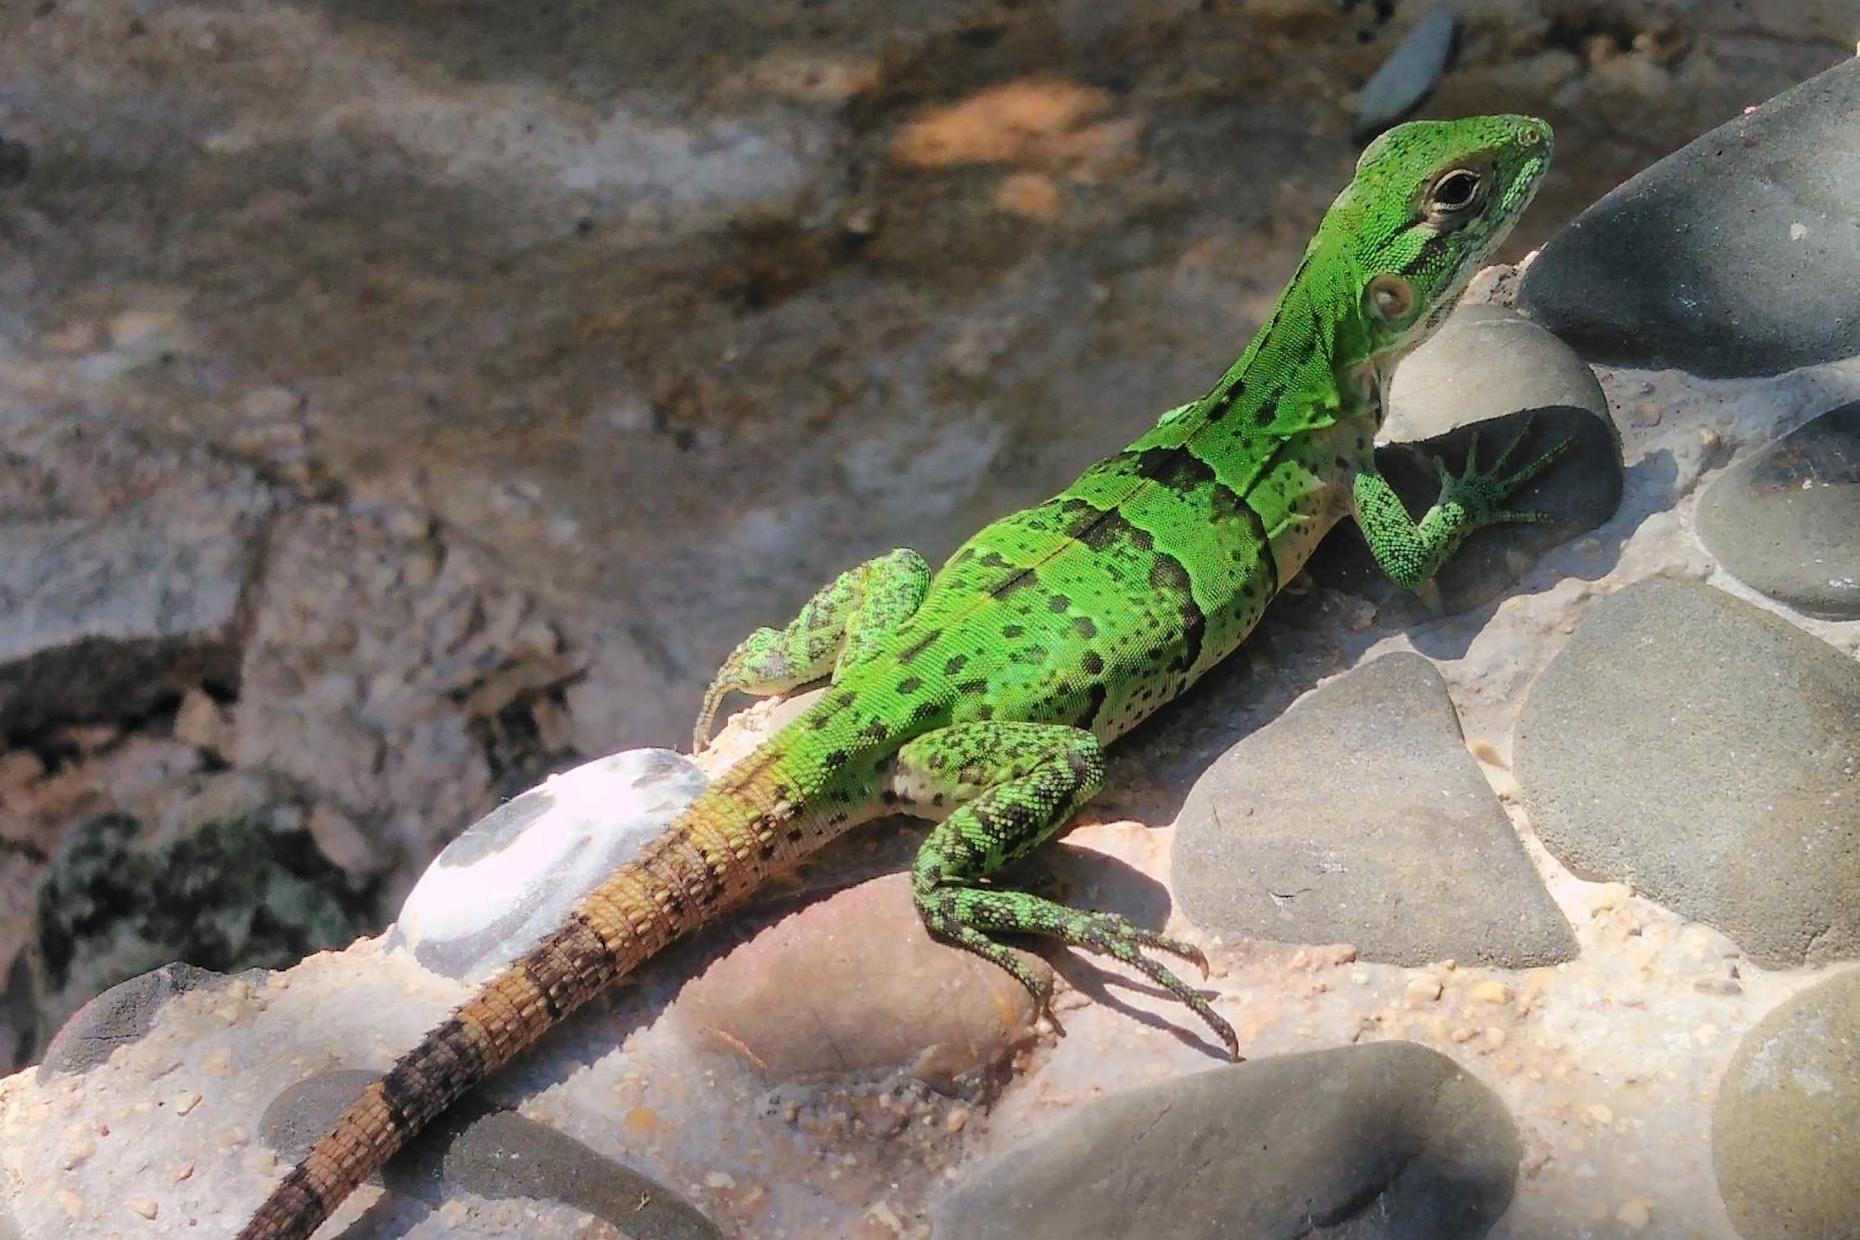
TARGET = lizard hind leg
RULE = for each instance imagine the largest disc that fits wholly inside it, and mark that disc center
(842, 624)
(1014, 786)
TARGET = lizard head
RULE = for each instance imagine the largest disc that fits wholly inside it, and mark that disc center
(1430, 202)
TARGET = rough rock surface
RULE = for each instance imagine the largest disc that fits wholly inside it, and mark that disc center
(354, 662)
(512, 876)
(1479, 379)
(1786, 1130)
(100, 618)
(1786, 519)
(382, 662)
(852, 985)
(1704, 751)
(492, 1153)
(1396, 846)
(1389, 1141)
(225, 893)
(1745, 246)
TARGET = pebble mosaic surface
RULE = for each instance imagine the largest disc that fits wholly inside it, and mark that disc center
(1545, 931)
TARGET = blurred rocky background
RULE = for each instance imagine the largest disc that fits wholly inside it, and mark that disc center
(399, 401)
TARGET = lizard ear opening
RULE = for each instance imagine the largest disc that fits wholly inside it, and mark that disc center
(1391, 300)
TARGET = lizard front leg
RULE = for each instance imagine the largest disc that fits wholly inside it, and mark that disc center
(1411, 551)
(1010, 787)
(835, 629)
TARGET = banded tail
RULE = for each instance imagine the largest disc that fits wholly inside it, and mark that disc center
(714, 855)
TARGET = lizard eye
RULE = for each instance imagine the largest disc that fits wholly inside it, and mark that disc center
(1455, 191)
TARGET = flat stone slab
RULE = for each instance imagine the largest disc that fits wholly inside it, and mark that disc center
(1359, 817)
(513, 875)
(1736, 255)
(1485, 376)
(1786, 520)
(1786, 1130)
(1702, 749)
(1388, 1140)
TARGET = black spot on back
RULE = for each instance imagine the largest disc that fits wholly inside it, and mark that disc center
(1102, 529)
(1176, 468)
(1167, 574)
(1267, 565)
(1219, 409)
(918, 647)
(1019, 581)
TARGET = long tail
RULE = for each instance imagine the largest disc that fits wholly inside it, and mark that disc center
(711, 857)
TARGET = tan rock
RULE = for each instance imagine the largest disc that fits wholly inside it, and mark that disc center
(854, 983)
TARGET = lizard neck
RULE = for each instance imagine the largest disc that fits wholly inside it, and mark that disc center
(1313, 359)
(1292, 421)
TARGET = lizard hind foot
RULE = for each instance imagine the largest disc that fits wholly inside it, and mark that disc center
(1018, 785)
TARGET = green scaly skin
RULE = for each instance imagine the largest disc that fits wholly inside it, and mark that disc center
(983, 696)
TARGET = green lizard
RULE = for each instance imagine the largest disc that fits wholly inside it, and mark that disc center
(983, 696)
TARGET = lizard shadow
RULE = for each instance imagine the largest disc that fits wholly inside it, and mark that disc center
(1102, 987)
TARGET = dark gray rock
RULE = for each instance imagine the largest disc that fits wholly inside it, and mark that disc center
(1389, 1141)
(1739, 254)
(120, 1016)
(1786, 1128)
(102, 617)
(15, 163)
(1400, 849)
(247, 891)
(494, 1154)
(1408, 75)
(1786, 520)
(515, 873)
(1482, 375)
(1702, 750)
